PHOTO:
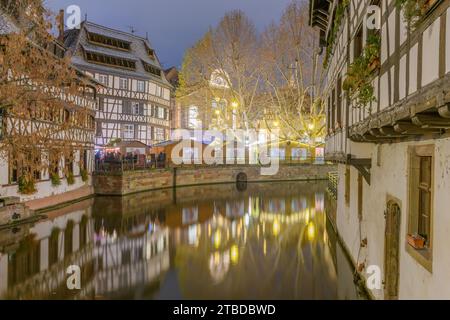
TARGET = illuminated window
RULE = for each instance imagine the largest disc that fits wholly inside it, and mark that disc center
(128, 131)
(159, 134)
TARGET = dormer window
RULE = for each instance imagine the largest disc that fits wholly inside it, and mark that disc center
(109, 42)
(150, 52)
(98, 58)
(152, 69)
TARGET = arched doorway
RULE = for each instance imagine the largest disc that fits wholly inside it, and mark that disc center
(391, 251)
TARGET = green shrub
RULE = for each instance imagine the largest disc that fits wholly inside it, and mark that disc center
(26, 185)
(55, 179)
(84, 175)
(70, 178)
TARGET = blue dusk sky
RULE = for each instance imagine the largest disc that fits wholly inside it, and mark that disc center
(172, 25)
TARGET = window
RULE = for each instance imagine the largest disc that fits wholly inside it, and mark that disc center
(160, 113)
(108, 41)
(151, 69)
(358, 44)
(141, 86)
(128, 131)
(135, 108)
(421, 197)
(123, 84)
(98, 131)
(109, 60)
(159, 134)
(158, 92)
(103, 79)
(339, 102)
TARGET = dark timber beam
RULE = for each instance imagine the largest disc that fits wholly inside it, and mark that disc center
(407, 128)
(444, 111)
(430, 121)
(363, 166)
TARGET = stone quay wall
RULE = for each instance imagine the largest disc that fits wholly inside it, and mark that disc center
(127, 182)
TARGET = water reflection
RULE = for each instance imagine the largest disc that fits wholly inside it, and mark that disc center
(261, 241)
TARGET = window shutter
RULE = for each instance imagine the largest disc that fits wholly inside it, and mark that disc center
(166, 115)
(152, 133)
(141, 109)
(152, 111)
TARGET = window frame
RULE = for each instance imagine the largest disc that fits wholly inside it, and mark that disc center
(423, 256)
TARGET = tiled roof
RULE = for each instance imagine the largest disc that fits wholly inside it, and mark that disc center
(77, 41)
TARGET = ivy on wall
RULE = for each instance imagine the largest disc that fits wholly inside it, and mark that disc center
(414, 10)
(340, 11)
(358, 82)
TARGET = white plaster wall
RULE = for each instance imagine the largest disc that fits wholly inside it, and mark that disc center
(430, 50)
(447, 41)
(45, 188)
(391, 178)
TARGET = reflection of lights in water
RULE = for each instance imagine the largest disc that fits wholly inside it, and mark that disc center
(219, 264)
(217, 239)
(233, 229)
(234, 254)
(192, 235)
(209, 230)
(307, 216)
(265, 247)
(311, 231)
(276, 228)
(247, 220)
(264, 228)
(257, 232)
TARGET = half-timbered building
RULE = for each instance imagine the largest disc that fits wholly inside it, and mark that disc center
(79, 110)
(134, 104)
(388, 115)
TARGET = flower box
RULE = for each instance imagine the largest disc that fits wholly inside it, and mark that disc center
(416, 241)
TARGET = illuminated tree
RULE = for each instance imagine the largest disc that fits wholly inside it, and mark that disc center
(220, 73)
(292, 76)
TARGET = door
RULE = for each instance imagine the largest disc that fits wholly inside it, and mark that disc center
(391, 251)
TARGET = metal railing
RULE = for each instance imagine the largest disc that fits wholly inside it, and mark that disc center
(134, 165)
(333, 181)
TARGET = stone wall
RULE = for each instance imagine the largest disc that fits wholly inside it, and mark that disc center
(138, 181)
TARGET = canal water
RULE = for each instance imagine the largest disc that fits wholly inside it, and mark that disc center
(244, 241)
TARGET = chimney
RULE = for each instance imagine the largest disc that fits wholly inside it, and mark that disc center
(61, 26)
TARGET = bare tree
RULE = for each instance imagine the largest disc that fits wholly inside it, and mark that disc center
(220, 73)
(292, 75)
(40, 96)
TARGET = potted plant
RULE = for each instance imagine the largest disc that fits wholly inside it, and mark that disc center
(55, 179)
(70, 178)
(26, 184)
(372, 51)
(416, 241)
(84, 175)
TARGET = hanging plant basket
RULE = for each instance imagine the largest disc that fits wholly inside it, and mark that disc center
(374, 64)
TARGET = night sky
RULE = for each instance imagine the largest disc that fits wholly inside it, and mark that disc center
(172, 25)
